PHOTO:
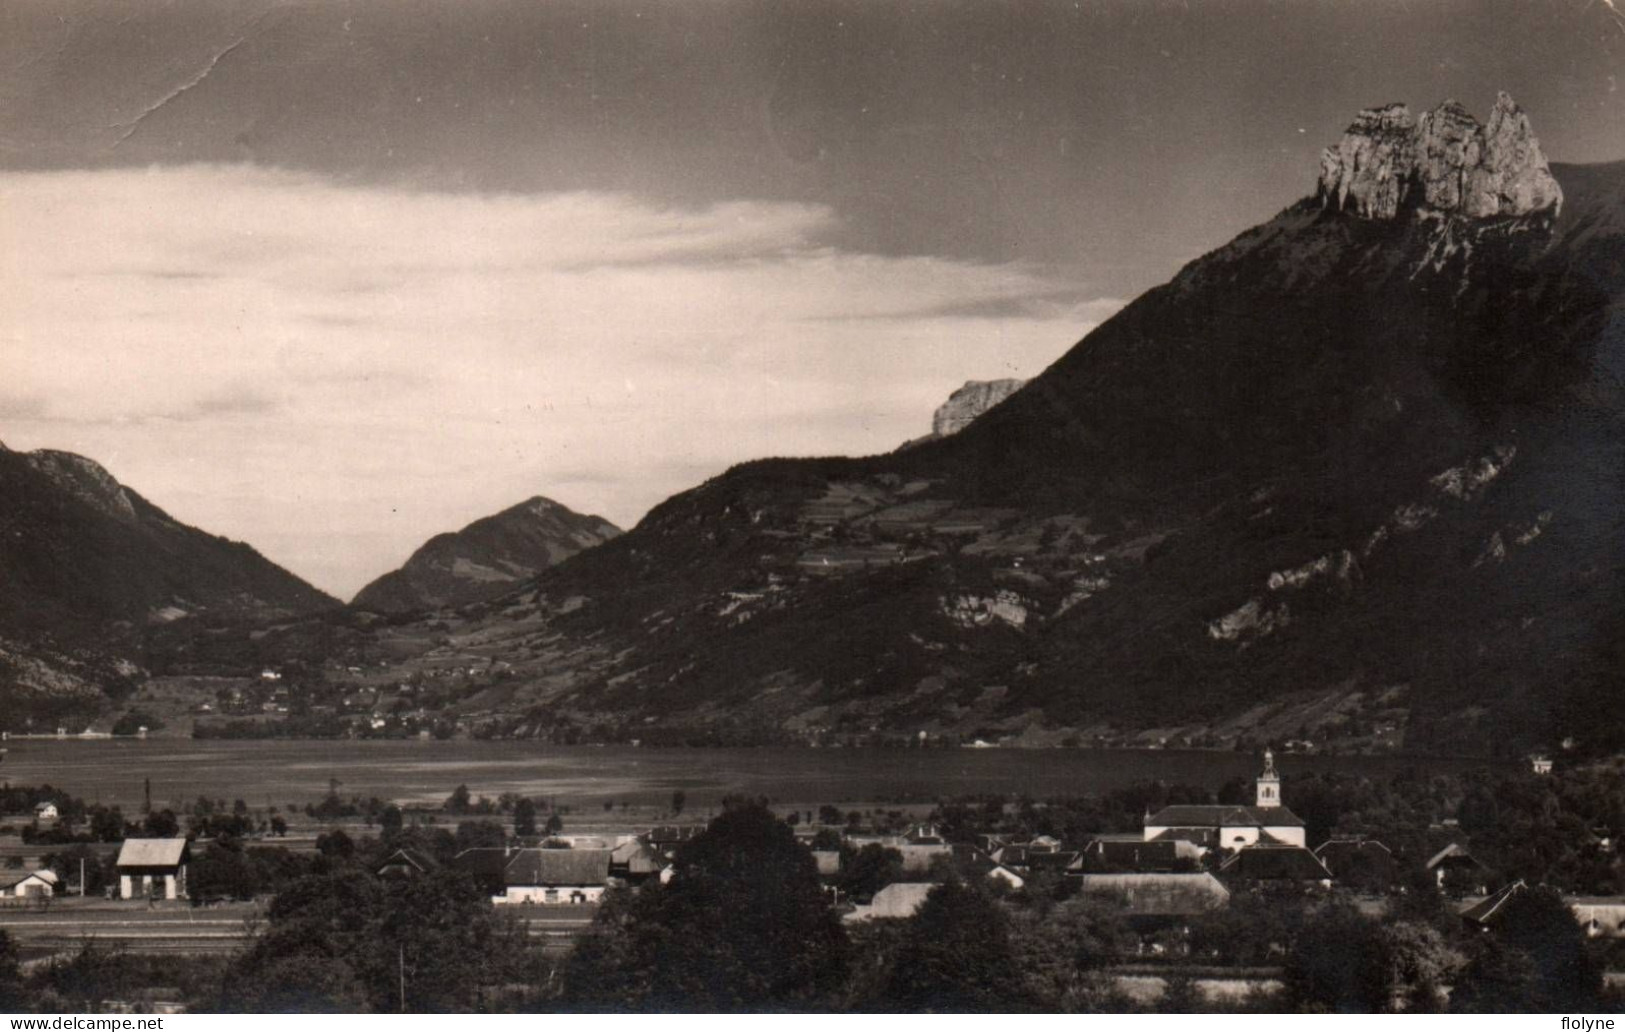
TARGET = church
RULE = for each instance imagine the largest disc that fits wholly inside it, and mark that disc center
(1226, 826)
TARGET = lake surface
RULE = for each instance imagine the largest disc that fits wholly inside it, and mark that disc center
(112, 771)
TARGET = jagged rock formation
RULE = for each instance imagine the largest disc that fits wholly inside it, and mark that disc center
(968, 403)
(487, 558)
(1444, 161)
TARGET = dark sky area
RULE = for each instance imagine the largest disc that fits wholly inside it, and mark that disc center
(1120, 138)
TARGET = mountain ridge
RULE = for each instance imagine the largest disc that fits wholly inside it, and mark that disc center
(1324, 474)
(486, 558)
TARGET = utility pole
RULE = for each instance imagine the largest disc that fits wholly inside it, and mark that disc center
(401, 968)
(81, 877)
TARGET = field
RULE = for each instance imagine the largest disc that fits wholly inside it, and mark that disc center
(583, 778)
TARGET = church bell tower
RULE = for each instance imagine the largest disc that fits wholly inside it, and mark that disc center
(1269, 783)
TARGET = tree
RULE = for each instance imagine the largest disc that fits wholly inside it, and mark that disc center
(106, 825)
(279, 827)
(678, 798)
(390, 821)
(1536, 960)
(742, 925)
(555, 824)
(11, 978)
(335, 845)
(956, 957)
(866, 871)
(480, 835)
(1338, 963)
(344, 941)
(161, 824)
(223, 871)
(458, 801)
(524, 818)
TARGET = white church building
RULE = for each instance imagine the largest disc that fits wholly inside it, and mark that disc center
(1225, 826)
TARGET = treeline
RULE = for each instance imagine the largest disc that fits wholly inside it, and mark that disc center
(745, 925)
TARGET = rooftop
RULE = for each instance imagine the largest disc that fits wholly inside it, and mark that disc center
(1223, 815)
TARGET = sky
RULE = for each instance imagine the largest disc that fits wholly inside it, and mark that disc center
(334, 277)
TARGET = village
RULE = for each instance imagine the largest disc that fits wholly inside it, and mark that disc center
(1164, 887)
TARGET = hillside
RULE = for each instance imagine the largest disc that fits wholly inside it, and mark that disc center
(485, 559)
(87, 566)
(1353, 477)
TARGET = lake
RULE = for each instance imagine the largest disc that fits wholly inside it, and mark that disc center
(279, 773)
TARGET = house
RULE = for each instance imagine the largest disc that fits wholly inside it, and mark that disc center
(634, 861)
(39, 884)
(1059, 861)
(403, 863)
(555, 876)
(1602, 917)
(1487, 911)
(1226, 826)
(926, 835)
(1107, 853)
(897, 900)
(828, 861)
(1278, 864)
(1362, 862)
(666, 838)
(1157, 895)
(1455, 858)
(45, 811)
(153, 868)
(999, 872)
(1540, 764)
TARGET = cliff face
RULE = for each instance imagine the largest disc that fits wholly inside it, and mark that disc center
(1445, 162)
(969, 402)
(487, 558)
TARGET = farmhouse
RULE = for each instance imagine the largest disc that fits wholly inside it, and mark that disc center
(1466, 868)
(1361, 861)
(1277, 864)
(46, 811)
(1232, 827)
(1602, 917)
(28, 885)
(153, 868)
(403, 863)
(555, 876)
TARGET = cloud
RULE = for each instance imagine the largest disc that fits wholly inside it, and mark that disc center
(336, 372)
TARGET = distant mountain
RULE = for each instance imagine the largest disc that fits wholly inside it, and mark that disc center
(1354, 477)
(87, 564)
(485, 559)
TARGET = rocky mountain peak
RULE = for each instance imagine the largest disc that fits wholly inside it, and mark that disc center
(86, 480)
(970, 401)
(1446, 161)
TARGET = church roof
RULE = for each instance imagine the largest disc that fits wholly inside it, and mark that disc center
(1222, 815)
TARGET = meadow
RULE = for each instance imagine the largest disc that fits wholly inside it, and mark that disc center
(280, 773)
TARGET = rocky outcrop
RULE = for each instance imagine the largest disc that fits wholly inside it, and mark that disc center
(970, 401)
(85, 480)
(1445, 161)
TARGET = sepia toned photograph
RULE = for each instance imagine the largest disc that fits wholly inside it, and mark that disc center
(852, 507)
